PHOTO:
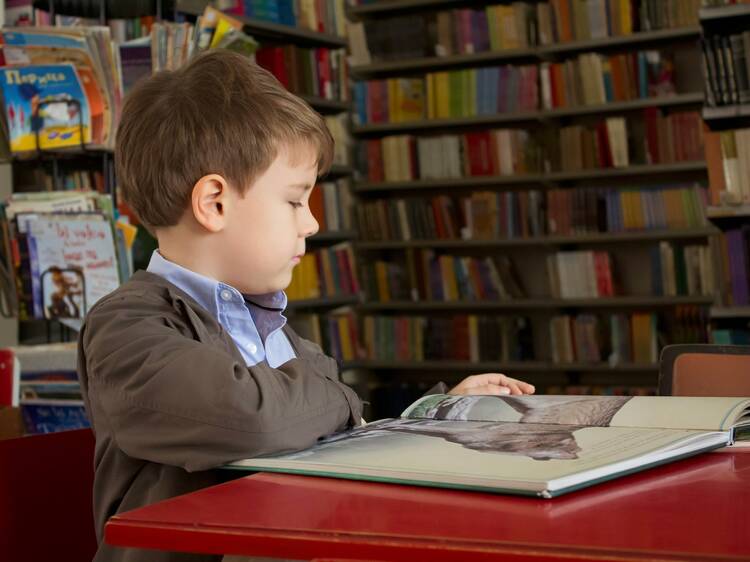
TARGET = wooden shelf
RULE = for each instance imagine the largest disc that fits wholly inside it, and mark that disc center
(642, 37)
(532, 54)
(712, 14)
(538, 367)
(582, 239)
(67, 153)
(325, 106)
(271, 30)
(325, 302)
(725, 112)
(728, 212)
(332, 236)
(526, 116)
(532, 304)
(534, 179)
(442, 63)
(395, 6)
(691, 98)
(738, 312)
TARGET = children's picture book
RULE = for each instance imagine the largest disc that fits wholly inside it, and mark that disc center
(45, 107)
(73, 262)
(531, 445)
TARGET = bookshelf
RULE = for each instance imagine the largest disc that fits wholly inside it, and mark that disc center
(726, 47)
(632, 250)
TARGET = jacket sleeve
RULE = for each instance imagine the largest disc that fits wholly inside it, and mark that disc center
(172, 399)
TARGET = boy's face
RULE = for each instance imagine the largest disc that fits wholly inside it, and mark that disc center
(266, 228)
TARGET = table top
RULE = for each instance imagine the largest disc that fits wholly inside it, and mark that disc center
(694, 509)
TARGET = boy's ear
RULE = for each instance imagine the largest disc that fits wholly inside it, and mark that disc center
(209, 200)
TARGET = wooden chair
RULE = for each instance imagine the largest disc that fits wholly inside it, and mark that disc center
(704, 370)
(46, 484)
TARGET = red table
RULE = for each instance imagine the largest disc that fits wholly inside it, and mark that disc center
(695, 509)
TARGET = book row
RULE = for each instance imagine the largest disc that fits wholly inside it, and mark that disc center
(460, 338)
(618, 339)
(728, 160)
(330, 203)
(448, 94)
(337, 332)
(491, 215)
(726, 68)
(318, 72)
(589, 79)
(121, 29)
(676, 270)
(734, 247)
(518, 25)
(622, 339)
(423, 275)
(657, 138)
(593, 79)
(325, 16)
(39, 179)
(327, 272)
(647, 137)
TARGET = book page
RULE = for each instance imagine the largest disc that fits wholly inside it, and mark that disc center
(485, 454)
(596, 411)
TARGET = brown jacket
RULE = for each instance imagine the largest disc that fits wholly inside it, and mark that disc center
(170, 398)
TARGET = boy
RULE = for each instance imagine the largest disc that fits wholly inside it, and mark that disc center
(190, 364)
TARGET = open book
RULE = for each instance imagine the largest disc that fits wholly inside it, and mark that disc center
(532, 445)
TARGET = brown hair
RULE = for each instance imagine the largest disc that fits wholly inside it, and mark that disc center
(219, 114)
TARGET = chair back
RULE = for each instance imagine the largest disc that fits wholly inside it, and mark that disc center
(704, 370)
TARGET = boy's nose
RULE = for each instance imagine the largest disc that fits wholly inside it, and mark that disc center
(309, 225)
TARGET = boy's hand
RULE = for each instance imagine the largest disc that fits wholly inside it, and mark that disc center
(491, 383)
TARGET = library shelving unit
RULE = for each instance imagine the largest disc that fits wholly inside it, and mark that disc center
(632, 248)
(728, 118)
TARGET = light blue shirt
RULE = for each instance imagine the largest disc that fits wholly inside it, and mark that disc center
(253, 321)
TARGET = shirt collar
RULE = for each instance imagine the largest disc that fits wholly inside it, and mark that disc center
(205, 290)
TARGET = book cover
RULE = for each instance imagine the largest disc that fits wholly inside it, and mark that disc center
(48, 101)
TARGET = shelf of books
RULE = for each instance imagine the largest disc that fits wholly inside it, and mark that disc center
(726, 65)
(531, 183)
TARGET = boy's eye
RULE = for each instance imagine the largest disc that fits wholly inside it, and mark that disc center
(295, 204)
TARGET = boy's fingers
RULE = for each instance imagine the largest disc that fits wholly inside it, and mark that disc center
(489, 389)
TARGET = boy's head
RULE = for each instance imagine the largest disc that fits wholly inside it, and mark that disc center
(218, 160)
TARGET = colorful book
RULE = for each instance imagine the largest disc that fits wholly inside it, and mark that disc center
(45, 107)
